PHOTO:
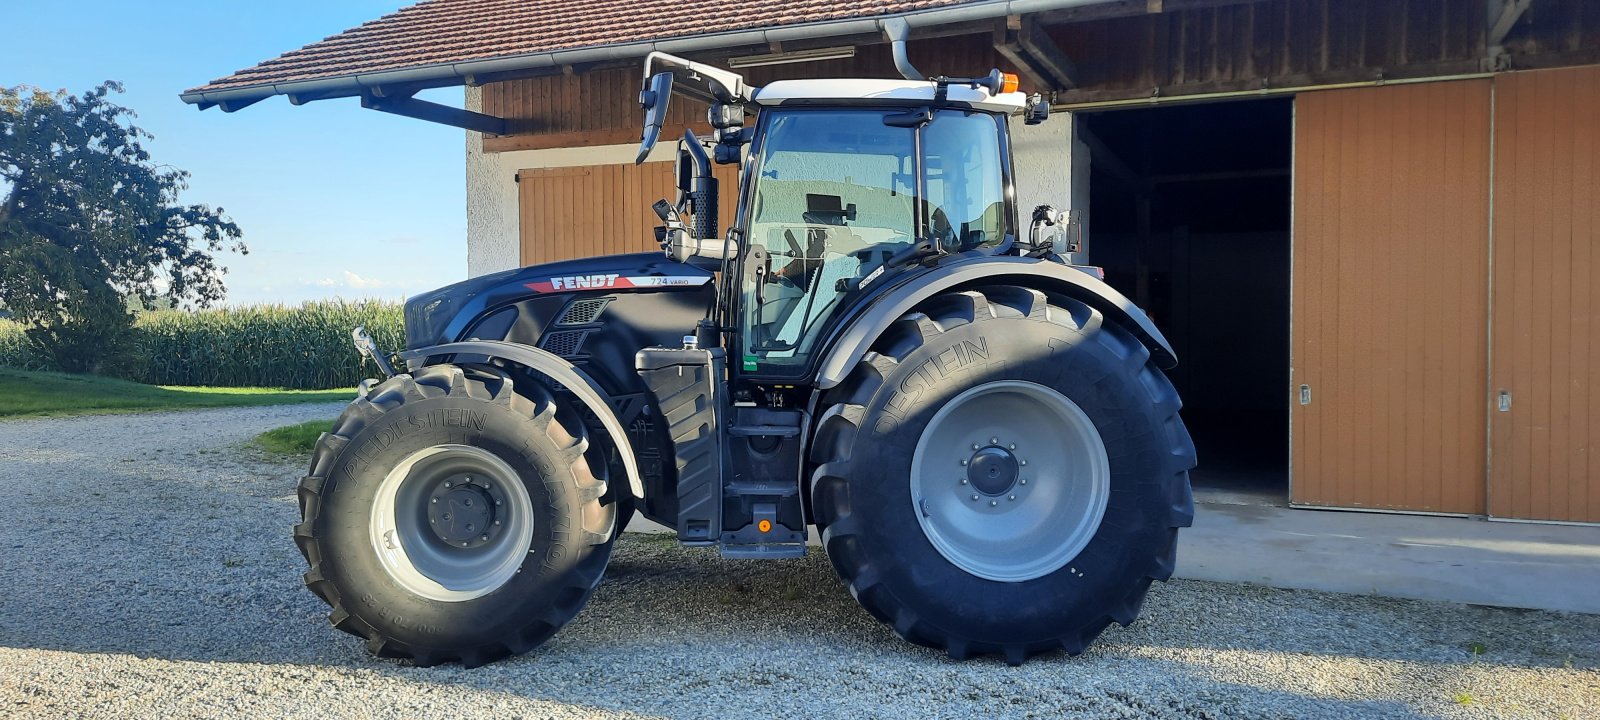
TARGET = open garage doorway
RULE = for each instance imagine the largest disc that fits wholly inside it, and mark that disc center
(1189, 215)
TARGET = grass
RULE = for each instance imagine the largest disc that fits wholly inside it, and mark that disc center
(296, 439)
(33, 394)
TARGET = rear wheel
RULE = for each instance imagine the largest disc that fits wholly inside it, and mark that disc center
(452, 516)
(1004, 473)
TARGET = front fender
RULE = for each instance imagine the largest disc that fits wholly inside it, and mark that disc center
(856, 337)
(555, 369)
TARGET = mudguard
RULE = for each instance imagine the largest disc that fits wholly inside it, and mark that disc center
(853, 340)
(555, 369)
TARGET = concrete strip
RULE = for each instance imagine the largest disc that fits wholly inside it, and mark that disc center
(1521, 565)
(1546, 567)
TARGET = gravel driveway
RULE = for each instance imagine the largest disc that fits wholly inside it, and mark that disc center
(149, 573)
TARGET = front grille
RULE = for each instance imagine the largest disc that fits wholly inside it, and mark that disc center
(565, 343)
(582, 312)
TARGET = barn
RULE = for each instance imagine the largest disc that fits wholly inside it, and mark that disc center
(1367, 226)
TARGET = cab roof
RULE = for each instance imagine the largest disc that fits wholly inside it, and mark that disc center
(849, 91)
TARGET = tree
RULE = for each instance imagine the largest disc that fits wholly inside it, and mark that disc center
(89, 220)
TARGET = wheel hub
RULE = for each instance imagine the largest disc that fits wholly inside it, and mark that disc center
(452, 522)
(464, 511)
(992, 470)
(1033, 484)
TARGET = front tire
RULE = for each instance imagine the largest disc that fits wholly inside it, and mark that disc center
(452, 516)
(1004, 473)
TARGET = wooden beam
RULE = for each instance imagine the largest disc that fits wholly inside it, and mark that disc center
(1127, 8)
(434, 112)
(1102, 157)
(1501, 21)
(1032, 37)
(1005, 43)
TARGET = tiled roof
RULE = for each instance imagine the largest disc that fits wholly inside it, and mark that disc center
(437, 32)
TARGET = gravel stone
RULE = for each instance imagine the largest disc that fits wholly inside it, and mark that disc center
(149, 572)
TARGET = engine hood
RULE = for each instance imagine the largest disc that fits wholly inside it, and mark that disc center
(442, 315)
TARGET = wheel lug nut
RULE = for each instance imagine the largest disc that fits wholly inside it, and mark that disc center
(447, 483)
(963, 481)
(483, 537)
(1013, 497)
(963, 462)
(469, 502)
(469, 527)
(994, 441)
(993, 503)
(1023, 481)
(463, 543)
(1022, 462)
(974, 498)
(1013, 446)
(499, 502)
(974, 446)
(435, 501)
(497, 522)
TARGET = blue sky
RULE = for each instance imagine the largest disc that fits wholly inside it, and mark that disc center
(334, 200)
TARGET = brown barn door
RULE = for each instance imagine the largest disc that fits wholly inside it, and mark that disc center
(1389, 346)
(1546, 378)
(574, 212)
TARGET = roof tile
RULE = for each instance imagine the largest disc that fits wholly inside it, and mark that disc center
(445, 31)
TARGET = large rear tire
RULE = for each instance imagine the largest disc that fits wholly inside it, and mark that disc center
(452, 516)
(1005, 473)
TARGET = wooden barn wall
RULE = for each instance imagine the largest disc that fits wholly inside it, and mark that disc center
(602, 107)
(575, 212)
(1278, 43)
(1228, 47)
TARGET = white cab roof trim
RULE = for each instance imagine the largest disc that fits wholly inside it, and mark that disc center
(910, 92)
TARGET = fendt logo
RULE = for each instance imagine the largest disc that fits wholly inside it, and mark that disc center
(579, 282)
(614, 280)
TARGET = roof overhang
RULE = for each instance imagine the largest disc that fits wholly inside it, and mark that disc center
(393, 90)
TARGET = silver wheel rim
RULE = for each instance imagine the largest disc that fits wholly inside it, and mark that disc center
(1010, 480)
(479, 548)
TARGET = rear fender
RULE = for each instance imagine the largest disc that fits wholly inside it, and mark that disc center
(853, 341)
(552, 368)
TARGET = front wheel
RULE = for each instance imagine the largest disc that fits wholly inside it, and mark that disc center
(1004, 473)
(452, 516)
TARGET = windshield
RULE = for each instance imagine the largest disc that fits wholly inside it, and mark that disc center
(836, 197)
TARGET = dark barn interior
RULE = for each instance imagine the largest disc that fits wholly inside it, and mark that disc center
(1189, 216)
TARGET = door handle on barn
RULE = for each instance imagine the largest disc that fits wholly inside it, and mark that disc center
(1305, 394)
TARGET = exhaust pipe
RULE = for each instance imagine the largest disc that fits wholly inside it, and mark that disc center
(897, 30)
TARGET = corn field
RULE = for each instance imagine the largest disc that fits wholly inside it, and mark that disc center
(305, 347)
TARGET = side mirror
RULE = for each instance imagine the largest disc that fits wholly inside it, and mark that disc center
(654, 99)
(1037, 111)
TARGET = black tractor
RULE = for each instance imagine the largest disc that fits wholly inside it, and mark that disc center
(880, 345)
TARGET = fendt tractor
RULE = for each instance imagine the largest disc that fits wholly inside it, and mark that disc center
(880, 345)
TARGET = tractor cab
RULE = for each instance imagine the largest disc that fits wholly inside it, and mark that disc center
(844, 183)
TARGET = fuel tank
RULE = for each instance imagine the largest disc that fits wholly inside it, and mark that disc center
(594, 312)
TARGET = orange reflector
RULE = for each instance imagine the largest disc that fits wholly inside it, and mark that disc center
(1008, 82)
(764, 526)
